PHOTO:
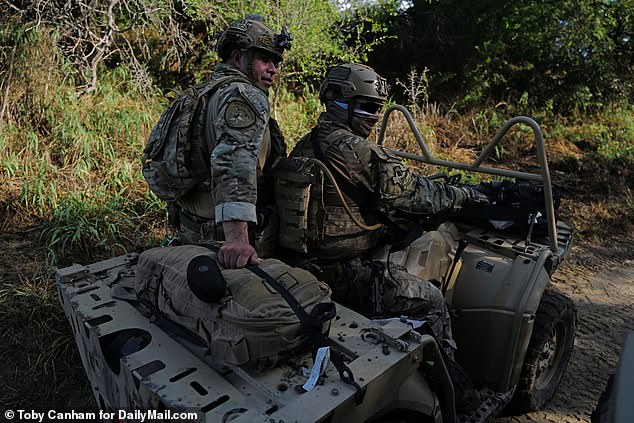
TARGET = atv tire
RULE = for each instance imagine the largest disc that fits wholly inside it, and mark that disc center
(548, 352)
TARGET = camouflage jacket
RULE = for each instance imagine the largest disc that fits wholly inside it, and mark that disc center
(401, 197)
(238, 124)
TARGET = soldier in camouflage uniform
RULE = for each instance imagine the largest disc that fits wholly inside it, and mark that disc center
(244, 142)
(379, 190)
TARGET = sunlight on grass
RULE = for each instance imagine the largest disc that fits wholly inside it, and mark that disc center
(295, 115)
(77, 158)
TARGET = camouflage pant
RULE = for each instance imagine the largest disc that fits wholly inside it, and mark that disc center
(188, 236)
(193, 230)
(379, 290)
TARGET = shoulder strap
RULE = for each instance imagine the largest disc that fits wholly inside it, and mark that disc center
(363, 197)
(213, 85)
(207, 90)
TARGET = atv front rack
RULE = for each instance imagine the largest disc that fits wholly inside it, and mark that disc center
(543, 176)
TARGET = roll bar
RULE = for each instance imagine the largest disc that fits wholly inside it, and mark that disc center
(543, 176)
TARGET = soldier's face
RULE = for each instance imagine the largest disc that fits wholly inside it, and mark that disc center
(261, 68)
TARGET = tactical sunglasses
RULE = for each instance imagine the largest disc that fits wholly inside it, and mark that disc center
(364, 109)
(370, 107)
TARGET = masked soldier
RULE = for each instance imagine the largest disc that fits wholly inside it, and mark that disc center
(387, 205)
(387, 199)
(243, 140)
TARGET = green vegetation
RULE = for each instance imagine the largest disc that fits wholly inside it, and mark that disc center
(296, 115)
(569, 56)
(74, 158)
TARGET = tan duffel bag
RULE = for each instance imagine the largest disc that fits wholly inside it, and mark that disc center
(251, 324)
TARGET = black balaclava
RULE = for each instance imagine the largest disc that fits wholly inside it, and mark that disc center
(360, 124)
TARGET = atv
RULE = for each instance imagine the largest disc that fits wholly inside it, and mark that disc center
(514, 333)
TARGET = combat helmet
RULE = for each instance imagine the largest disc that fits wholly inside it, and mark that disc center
(353, 82)
(253, 32)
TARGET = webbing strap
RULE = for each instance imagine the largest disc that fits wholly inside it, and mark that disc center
(363, 197)
(316, 337)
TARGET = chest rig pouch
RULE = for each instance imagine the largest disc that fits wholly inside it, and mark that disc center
(299, 198)
(305, 218)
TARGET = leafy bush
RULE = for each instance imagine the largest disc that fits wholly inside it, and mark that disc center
(573, 56)
(72, 160)
(76, 158)
(165, 43)
(610, 132)
(296, 112)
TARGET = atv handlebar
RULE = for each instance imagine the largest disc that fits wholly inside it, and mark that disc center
(543, 176)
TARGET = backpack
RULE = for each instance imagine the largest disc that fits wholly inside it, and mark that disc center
(176, 156)
(306, 223)
(252, 324)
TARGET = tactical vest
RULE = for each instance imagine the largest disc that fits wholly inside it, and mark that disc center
(312, 217)
(201, 202)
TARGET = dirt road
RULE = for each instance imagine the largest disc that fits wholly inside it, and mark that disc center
(601, 283)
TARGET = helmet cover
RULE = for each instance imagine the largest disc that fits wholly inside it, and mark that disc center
(349, 82)
(253, 33)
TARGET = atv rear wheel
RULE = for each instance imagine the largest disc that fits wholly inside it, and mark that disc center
(603, 410)
(548, 352)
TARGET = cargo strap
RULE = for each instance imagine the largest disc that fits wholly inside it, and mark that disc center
(321, 313)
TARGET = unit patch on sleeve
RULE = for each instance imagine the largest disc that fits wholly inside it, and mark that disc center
(239, 115)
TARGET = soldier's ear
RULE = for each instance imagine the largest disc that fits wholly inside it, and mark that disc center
(329, 95)
(236, 58)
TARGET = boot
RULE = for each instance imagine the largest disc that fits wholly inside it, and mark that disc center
(467, 396)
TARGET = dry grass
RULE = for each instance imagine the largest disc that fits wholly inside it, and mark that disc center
(602, 221)
(39, 356)
(456, 137)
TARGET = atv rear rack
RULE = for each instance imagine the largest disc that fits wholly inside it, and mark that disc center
(135, 361)
(543, 176)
